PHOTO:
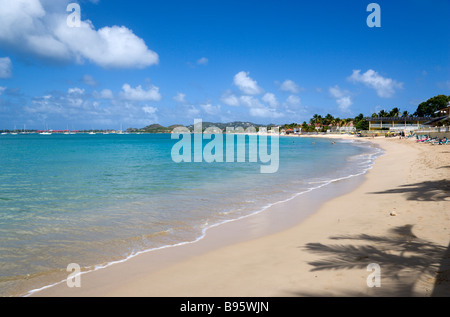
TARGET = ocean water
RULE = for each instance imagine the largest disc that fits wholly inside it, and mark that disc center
(96, 199)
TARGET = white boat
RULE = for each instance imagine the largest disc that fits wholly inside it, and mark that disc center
(45, 133)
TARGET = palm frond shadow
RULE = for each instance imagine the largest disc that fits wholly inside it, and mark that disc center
(398, 253)
(424, 191)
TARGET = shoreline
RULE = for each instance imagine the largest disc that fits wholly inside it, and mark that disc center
(166, 278)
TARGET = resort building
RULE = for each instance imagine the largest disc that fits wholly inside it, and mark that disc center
(397, 123)
(444, 117)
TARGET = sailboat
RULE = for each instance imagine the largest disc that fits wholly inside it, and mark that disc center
(120, 131)
(15, 132)
(46, 132)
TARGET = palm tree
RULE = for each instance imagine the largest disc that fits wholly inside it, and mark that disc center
(383, 114)
(316, 118)
(395, 112)
(405, 113)
(328, 119)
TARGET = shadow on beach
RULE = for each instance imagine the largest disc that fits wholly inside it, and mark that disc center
(403, 258)
(424, 191)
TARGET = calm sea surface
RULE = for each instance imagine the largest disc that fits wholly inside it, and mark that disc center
(94, 199)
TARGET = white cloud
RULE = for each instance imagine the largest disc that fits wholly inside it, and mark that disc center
(342, 97)
(150, 113)
(265, 112)
(140, 94)
(250, 101)
(290, 86)
(149, 109)
(258, 109)
(180, 97)
(75, 91)
(40, 28)
(104, 94)
(246, 84)
(344, 103)
(210, 109)
(109, 47)
(385, 87)
(270, 99)
(2, 89)
(203, 61)
(47, 105)
(5, 67)
(230, 99)
(293, 100)
(85, 110)
(193, 111)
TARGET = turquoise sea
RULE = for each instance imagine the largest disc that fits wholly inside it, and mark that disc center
(95, 199)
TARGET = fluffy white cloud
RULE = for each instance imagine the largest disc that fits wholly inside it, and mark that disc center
(109, 47)
(259, 109)
(250, 101)
(230, 99)
(344, 103)
(75, 91)
(293, 100)
(385, 87)
(180, 97)
(246, 84)
(140, 94)
(5, 67)
(150, 113)
(342, 97)
(270, 99)
(40, 28)
(210, 109)
(149, 109)
(290, 86)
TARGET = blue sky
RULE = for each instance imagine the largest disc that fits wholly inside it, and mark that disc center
(134, 63)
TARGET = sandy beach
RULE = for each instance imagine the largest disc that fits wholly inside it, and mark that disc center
(396, 216)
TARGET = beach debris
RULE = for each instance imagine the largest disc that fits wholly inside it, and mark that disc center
(393, 212)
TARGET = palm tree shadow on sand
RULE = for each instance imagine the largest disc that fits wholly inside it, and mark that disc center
(402, 256)
(425, 191)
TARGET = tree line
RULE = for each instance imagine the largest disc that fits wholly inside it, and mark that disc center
(429, 108)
